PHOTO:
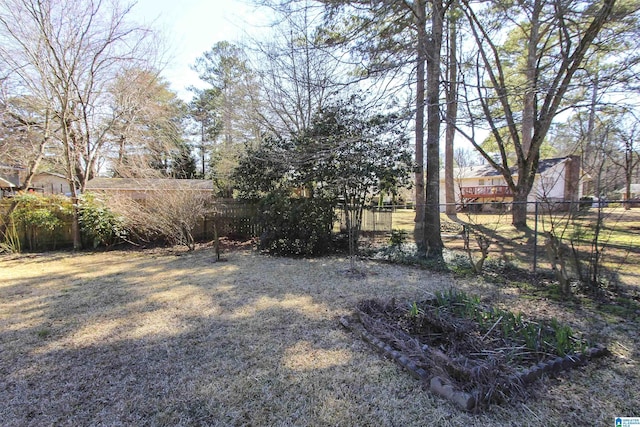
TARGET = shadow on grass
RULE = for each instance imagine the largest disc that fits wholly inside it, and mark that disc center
(180, 340)
(159, 339)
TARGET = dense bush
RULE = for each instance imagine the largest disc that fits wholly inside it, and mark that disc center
(100, 226)
(41, 222)
(296, 226)
(41, 218)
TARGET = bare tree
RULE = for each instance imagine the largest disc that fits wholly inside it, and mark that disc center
(519, 103)
(26, 133)
(297, 72)
(144, 127)
(170, 210)
(594, 136)
(627, 156)
(66, 54)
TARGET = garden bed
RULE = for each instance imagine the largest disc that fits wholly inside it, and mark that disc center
(468, 353)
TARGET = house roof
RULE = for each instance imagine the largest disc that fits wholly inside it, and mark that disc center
(57, 175)
(545, 164)
(475, 171)
(11, 167)
(146, 184)
(6, 184)
(489, 171)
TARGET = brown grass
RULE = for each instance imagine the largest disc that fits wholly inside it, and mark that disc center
(619, 238)
(172, 338)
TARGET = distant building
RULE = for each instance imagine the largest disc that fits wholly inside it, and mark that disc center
(12, 179)
(11, 173)
(50, 183)
(139, 188)
(6, 187)
(557, 180)
(635, 192)
(9, 179)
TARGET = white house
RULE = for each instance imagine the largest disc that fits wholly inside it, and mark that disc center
(9, 179)
(50, 183)
(6, 187)
(12, 178)
(557, 180)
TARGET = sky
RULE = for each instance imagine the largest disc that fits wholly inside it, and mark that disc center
(191, 27)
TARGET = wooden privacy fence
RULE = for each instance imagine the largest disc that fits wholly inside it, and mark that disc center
(374, 220)
(229, 218)
(239, 219)
(37, 239)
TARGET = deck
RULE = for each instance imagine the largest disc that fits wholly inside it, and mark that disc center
(485, 192)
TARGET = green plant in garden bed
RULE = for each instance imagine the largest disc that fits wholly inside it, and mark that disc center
(540, 339)
(414, 311)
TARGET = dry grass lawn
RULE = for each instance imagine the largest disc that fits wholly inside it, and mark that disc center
(169, 338)
(619, 239)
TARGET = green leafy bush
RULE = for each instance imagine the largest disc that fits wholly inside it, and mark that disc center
(398, 238)
(41, 218)
(100, 225)
(295, 226)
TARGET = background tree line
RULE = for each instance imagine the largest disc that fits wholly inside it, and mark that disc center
(81, 92)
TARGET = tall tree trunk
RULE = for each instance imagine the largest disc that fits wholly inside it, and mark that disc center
(202, 148)
(531, 73)
(519, 208)
(34, 164)
(522, 190)
(452, 115)
(118, 167)
(629, 166)
(521, 193)
(67, 137)
(589, 152)
(432, 238)
(421, 22)
(627, 192)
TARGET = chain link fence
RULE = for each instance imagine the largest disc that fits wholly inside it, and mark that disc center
(577, 239)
